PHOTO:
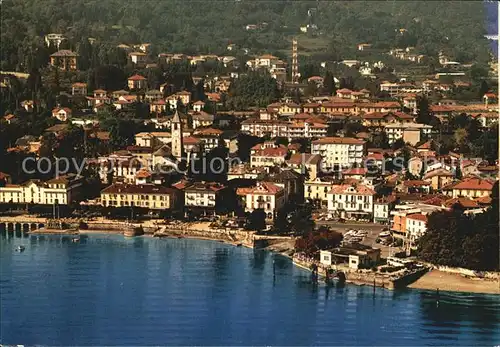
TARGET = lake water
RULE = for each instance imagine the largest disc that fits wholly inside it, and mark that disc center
(109, 290)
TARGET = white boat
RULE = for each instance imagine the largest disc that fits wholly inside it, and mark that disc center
(20, 249)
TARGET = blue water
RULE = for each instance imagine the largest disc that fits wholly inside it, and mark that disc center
(109, 290)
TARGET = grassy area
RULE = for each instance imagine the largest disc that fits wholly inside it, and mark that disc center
(307, 45)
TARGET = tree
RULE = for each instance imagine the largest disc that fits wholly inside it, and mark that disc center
(315, 241)
(329, 83)
(257, 220)
(423, 112)
(459, 240)
(380, 140)
(483, 89)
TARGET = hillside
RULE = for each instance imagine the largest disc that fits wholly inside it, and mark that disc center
(209, 26)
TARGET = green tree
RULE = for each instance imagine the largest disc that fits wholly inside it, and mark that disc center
(329, 83)
(423, 112)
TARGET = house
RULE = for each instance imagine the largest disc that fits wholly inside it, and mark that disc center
(382, 208)
(261, 127)
(472, 187)
(198, 106)
(439, 178)
(202, 119)
(138, 58)
(28, 105)
(411, 133)
(54, 39)
(316, 190)
(120, 166)
(79, 89)
(61, 113)
(143, 47)
(266, 61)
(64, 59)
(137, 82)
(317, 80)
(149, 196)
(487, 119)
(311, 107)
(416, 226)
(152, 139)
(183, 96)
(364, 46)
(344, 93)
(351, 201)
(205, 196)
(153, 95)
(288, 109)
(490, 98)
(267, 155)
(266, 196)
(62, 190)
(11, 119)
(311, 128)
(210, 138)
(339, 152)
(158, 106)
(305, 164)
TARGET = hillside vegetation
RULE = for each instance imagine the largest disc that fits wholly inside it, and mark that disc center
(209, 26)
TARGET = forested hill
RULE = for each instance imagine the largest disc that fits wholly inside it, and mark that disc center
(208, 26)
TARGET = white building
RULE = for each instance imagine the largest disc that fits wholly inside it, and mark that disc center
(409, 132)
(416, 226)
(341, 152)
(202, 194)
(62, 190)
(266, 195)
(351, 201)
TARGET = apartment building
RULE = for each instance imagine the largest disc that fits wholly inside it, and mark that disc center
(149, 196)
(339, 152)
(62, 190)
(204, 195)
(351, 201)
(267, 155)
(265, 195)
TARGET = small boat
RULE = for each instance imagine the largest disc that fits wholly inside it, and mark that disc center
(180, 237)
(75, 240)
(20, 248)
(239, 245)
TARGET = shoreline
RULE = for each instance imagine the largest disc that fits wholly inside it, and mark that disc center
(432, 280)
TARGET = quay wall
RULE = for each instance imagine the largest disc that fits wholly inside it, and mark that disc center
(232, 236)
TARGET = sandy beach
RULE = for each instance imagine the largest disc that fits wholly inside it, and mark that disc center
(456, 283)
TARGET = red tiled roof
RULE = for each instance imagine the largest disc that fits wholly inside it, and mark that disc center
(358, 189)
(190, 140)
(415, 183)
(464, 202)
(271, 152)
(417, 216)
(143, 173)
(355, 171)
(262, 188)
(136, 77)
(472, 183)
